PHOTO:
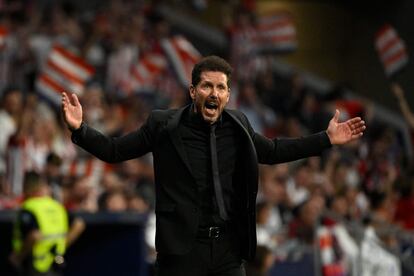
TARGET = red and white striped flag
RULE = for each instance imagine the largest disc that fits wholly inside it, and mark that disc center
(3, 37)
(64, 71)
(182, 55)
(275, 34)
(391, 50)
(145, 72)
(330, 263)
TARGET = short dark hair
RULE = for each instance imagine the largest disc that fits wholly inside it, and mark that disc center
(32, 181)
(10, 90)
(210, 63)
(53, 159)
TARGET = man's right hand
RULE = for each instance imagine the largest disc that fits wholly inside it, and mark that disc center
(72, 110)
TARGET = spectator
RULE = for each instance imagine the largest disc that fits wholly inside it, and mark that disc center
(260, 116)
(41, 238)
(53, 175)
(113, 201)
(81, 195)
(11, 106)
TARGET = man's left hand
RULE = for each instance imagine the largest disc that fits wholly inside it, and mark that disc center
(341, 133)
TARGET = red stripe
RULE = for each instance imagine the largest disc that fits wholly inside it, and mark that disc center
(183, 54)
(333, 270)
(152, 67)
(72, 169)
(3, 31)
(52, 83)
(68, 75)
(108, 167)
(325, 241)
(389, 45)
(385, 28)
(397, 56)
(74, 58)
(88, 168)
(137, 74)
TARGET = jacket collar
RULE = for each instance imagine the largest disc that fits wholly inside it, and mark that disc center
(172, 127)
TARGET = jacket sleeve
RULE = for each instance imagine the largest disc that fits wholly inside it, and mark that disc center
(115, 149)
(273, 151)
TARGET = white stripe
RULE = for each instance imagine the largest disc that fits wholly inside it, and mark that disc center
(286, 30)
(176, 61)
(68, 65)
(327, 256)
(16, 169)
(143, 72)
(64, 82)
(185, 45)
(395, 66)
(397, 47)
(270, 20)
(135, 83)
(65, 169)
(97, 169)
(80, 168)
(382, 40)
(158, 61)
(46, 90)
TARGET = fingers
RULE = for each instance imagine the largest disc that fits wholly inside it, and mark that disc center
(355, 123)
(336, 116)
(358, 130)
(357, 126)
(64, 100)
(72, 99)
(354, 120)
(75, 99)
(356, 136)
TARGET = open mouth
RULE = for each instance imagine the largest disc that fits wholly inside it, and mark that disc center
(211, 105)
(210, 108)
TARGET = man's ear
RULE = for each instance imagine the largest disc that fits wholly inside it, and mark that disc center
(192, 92)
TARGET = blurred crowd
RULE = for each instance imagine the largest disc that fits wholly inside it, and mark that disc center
(366, 183)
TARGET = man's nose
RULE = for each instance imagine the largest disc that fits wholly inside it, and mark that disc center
(214, 93)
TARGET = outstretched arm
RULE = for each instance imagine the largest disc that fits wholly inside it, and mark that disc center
(342, 133)
(272, 151)
(108, 149)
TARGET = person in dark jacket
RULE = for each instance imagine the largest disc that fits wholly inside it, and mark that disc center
(206, 171)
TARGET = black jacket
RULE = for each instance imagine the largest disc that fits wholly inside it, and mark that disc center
(177, 201)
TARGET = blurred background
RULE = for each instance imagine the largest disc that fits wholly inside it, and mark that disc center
(348, 212)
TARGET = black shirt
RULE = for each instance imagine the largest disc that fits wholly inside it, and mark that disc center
(27, 223)
(195, 134)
